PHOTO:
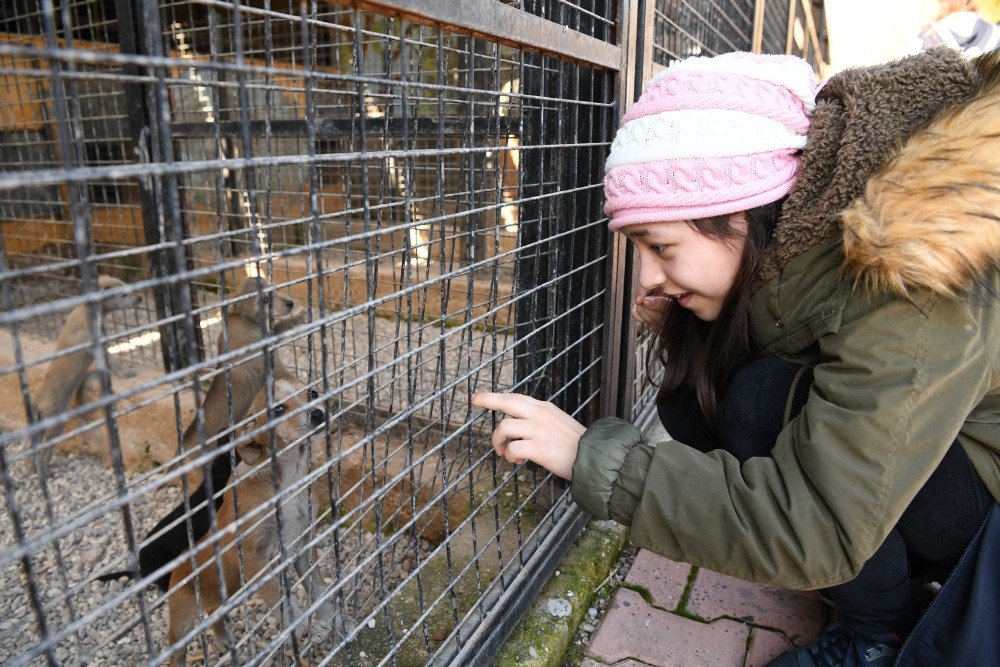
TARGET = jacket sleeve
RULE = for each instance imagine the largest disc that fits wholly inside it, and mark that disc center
(894, 385)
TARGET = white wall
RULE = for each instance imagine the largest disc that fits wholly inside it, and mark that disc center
(867, 32)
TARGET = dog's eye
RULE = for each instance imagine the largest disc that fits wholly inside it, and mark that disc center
(313, 394)
(278, 410)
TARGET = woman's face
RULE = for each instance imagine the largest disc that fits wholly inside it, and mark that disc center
(697, 271)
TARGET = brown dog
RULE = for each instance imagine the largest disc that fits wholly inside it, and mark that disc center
(66, 376)
(257, 532)
(247, 373)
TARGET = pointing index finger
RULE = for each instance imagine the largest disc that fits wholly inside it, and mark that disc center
(514, 405)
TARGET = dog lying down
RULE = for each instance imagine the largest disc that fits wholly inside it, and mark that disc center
(257, 534)
(255, 538)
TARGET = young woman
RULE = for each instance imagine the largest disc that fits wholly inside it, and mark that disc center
(822, 272)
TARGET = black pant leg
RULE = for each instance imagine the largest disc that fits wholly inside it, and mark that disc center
(760, 399)
(930, 536)
(954, 501)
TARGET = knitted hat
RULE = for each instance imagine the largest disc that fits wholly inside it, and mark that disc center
(710, 136)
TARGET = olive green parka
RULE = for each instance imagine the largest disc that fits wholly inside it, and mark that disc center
(882, 275)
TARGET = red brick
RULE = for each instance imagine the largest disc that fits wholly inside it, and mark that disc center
(633, 629)
(799, 614)
(664, 579)
(765, 646)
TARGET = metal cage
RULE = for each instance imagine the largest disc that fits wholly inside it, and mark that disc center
(427, 196)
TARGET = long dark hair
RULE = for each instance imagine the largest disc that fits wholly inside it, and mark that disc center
(704, 355)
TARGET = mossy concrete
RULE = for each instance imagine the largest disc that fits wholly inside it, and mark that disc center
(376, 640)
(543, 637)
(442, 590)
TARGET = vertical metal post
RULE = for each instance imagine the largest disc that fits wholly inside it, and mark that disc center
(529, 265)
(175, 341)
(643, 53)
(619, 341)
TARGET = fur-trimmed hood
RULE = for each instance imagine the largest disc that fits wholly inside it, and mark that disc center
(903, 160)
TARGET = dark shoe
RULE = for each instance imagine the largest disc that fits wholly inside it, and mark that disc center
(839, 646)
(825, 600)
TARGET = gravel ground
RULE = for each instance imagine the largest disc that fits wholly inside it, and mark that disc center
(116, 634)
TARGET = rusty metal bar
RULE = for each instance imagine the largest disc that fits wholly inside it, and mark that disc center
(491, 19)
(620, 332)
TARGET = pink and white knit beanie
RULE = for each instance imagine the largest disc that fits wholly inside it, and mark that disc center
(710, 136)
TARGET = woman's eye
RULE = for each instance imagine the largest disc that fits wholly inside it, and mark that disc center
(658, 249)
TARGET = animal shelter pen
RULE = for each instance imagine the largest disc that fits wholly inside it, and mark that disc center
(412, 190)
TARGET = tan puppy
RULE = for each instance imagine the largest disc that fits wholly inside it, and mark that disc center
(257, 533)
(66, 376)
(246, 375)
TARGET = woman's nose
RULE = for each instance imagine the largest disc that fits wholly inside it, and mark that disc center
(651, 276)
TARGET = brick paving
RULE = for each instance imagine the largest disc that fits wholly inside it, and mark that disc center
(668, 614)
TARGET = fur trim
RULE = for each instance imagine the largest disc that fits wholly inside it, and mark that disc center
(931, 218)
(863, 117)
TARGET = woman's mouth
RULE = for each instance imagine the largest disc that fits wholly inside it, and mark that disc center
(683, 299)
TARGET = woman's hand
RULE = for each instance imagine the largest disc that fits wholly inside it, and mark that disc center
(535, 431)
(649, 309)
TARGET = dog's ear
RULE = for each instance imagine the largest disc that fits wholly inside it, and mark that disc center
(253, 451)
(247, 293)
(245, 308)
(107, 282)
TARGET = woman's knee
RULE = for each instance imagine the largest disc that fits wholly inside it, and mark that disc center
(683, 420)
(759, 400)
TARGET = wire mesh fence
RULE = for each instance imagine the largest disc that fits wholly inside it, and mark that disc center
(588, 17)
(253, 257)
(685, 28)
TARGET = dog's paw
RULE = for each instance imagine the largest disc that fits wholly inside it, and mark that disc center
(339, 627)
(319, 630)
(220, 643)
(27, 466)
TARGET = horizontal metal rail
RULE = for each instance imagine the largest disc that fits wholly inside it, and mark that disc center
(496, 21)
(338, 127)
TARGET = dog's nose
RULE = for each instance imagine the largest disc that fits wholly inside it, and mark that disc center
(317, 417)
